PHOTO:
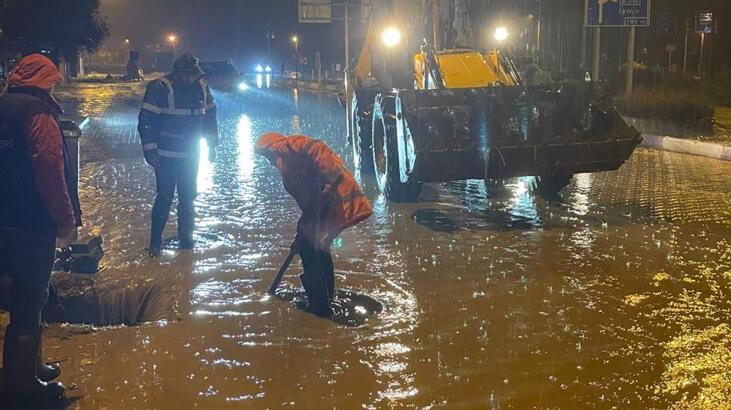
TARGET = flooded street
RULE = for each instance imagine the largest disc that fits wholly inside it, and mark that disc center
(615, 295)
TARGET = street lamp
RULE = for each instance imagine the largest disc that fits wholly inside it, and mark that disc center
(391, 37)
(173, 40)
(296, 41)
(501, 34)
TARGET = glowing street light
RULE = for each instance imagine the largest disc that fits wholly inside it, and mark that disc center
(391, 37)
(173, 40)
(501, 34)
(296, 41)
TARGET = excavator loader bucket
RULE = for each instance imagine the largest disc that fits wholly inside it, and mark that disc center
(507, 131)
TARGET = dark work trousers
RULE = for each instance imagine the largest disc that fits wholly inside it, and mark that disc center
(319, 277)
(172, 173)
(27, 257)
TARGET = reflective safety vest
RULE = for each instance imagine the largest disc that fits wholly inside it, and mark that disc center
(330, 198)
(174, 116)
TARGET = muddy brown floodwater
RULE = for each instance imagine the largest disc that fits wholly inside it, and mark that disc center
(616, 295)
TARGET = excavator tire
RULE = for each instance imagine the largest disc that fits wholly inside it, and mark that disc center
(385, 153)
(362, 134)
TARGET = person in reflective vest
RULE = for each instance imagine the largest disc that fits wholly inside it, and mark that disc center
(330, 200)
(177, 110)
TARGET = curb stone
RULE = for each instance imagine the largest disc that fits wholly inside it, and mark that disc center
(685, 146)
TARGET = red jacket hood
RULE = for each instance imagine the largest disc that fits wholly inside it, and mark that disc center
(37, 71)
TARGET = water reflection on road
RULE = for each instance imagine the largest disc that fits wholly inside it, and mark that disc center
(614, 294)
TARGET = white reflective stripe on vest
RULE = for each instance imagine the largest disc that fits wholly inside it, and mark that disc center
(202, 83)
(184, 111)
(149, 147)
(171, 94)
(152, 108)
(171, 110)
(173, 154)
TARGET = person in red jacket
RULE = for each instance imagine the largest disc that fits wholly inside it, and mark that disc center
(330, 200)
(36, 207)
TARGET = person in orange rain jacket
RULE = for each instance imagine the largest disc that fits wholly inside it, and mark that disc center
(330, 200)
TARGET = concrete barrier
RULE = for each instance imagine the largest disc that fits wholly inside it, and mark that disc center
(686, 146)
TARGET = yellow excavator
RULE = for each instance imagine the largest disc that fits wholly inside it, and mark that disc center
(471, 115)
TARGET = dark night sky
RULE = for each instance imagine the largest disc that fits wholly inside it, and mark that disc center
(223, 29)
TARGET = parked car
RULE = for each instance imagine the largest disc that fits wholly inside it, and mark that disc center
(222, 75)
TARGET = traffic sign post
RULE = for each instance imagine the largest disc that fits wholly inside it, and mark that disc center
(617, 13)
(630, 79)
(704, 24)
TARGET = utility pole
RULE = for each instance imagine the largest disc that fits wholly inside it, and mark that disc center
(348, 97)
(347, 36)
(538, 28)
(436, 23)
(270, 37)
(685, 47)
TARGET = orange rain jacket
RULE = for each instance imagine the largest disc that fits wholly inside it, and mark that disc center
(326, 192)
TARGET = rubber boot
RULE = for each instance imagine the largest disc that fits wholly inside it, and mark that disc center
(157, 226)
(317, 297)
(155, 247)
(45, 371)
(186, 224)
(329, 276)
(22, 387)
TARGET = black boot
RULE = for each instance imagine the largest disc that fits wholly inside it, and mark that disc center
(22, 387)
(317, 297)
(155, 242)
(157, 226)
(46, 371)
(186, 222)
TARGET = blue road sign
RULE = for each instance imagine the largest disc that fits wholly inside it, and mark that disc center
(618, 13)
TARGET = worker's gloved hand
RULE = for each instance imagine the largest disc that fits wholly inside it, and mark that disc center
(66, 236)
(152, 158)
(212, 154)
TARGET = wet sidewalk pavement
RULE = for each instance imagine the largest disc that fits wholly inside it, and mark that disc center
(613, 296)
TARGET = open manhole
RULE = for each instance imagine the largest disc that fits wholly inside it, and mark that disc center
(350, 309)
(81, 299)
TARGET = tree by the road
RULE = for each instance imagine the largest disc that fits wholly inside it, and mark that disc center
(63, 27)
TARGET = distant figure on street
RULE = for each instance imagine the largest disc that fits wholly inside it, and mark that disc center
(178, 109)
(330, 200)
(36, 208)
